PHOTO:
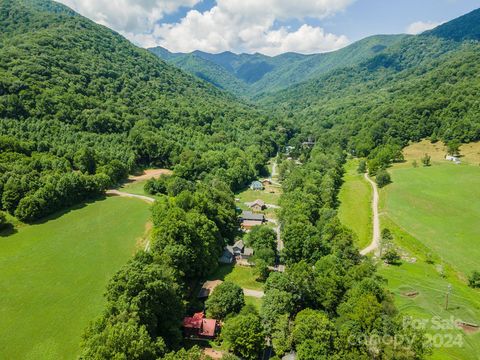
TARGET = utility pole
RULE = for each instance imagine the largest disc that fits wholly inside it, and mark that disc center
(449, 289)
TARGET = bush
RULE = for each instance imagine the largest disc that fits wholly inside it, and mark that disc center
(474, 280)
(383, 178)
(426, 160)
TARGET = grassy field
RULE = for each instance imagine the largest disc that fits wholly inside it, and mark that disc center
(431, 282)
(440, 206)
(243, 276)
(53, 275)
(355, 210)
(435, 210)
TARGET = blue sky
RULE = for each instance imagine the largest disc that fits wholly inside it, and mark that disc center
(267, 26)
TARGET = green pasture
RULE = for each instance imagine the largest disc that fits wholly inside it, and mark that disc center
(53, 275)
(355, 209)
(439, 206)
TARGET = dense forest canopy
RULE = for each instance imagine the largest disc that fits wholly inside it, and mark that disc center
(423, 86)
(81, 93)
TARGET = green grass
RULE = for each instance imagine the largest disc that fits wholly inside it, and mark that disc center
(425, 278)
(439, 206)
(249, 195)
(355, 209)
(435, 211)
(136, 188)
(243, 276)
(53, 275)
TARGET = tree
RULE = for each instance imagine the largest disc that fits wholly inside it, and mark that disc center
(84, 160)
(313, 335)
(120, 338)
(262, 237)
(362, 166)
(474, 279)
(226, 299)
(383, 178)
(426, 160)
(391, 256)
(244, 336)
(261, 269)
(3, 221)
(453, 147)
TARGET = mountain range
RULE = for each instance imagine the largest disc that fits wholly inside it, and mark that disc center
(248, 75)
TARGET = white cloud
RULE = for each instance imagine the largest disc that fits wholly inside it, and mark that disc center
(234, 25)
(421, 26)
(136, 16)
(248, 26)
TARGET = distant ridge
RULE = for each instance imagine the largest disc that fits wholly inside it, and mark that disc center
(248, 75)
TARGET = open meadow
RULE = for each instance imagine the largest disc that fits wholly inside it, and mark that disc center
(355, 209)
(53, 275)
(433, 213)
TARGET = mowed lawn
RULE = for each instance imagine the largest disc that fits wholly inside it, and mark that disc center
(355, 210)
(439, 206)
(53, 275)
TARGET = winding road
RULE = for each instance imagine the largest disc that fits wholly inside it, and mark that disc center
(375, 244)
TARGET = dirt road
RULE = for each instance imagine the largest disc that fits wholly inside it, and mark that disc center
(124, 194)
(253, 293)
(375, 244)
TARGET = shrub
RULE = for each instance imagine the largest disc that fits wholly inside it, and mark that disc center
(391, 257)
(383, 178)
(474, 280)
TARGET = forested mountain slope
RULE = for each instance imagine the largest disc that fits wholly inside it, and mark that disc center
(83, 96)
(424, 86)
(250, 74)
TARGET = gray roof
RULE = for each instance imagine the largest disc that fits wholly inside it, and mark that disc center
(248, 215)
(239, 244)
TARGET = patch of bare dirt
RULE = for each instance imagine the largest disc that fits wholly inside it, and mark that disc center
(411, 294)
(468, 328)
(149, 174)
(214, 354)
(142, 241)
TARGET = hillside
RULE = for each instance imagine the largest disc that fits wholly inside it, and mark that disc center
(424, 86)
(75, 95)
(250, 74)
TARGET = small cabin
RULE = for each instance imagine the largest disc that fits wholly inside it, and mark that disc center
(258, 205)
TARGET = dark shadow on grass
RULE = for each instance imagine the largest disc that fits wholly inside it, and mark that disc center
(221, 272)
(9, 230)
(65, 211)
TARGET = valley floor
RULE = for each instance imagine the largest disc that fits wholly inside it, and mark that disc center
(54, 274)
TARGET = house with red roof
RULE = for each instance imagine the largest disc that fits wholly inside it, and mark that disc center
(199, 326)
